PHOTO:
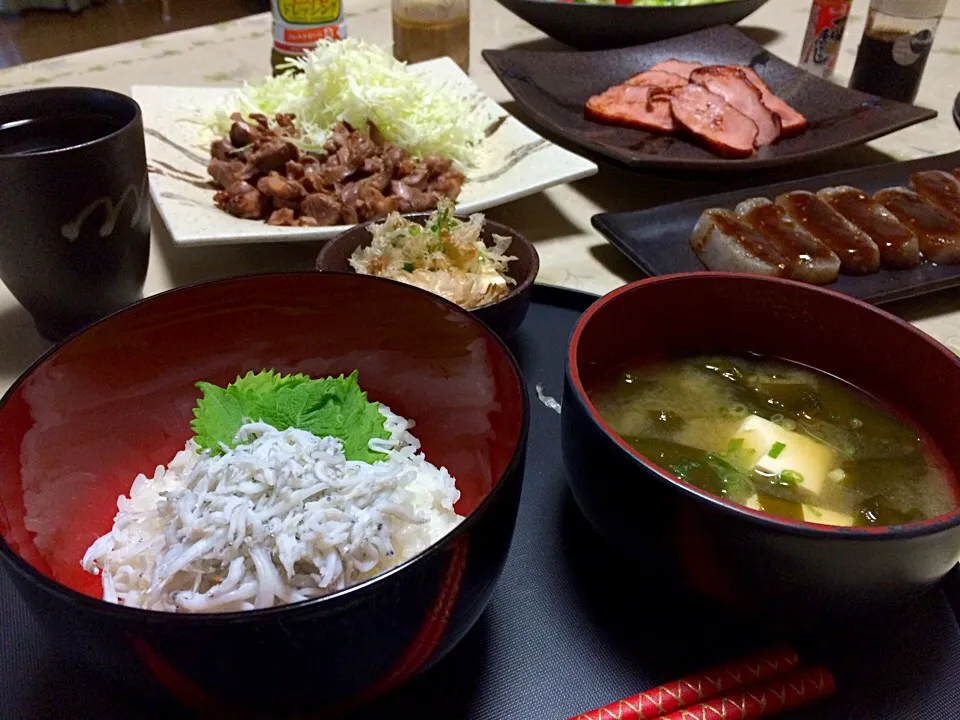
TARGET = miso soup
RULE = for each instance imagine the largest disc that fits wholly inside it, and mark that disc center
(780, 438)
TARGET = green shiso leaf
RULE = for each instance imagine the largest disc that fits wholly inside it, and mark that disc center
(324, 407)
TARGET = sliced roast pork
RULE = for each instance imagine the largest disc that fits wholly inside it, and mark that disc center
(792, 122)
(858, 254)
(937, 231)
(677, 67)
(808, 259)
(898, 245)
(658, 78)
(726, 243)
(711, 119)
(638, 106)
(733, 85)
(939, 187)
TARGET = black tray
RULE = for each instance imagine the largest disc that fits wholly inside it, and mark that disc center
(658, 240)
(572, 624)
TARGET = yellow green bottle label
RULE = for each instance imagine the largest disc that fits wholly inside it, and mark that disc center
(298, 25)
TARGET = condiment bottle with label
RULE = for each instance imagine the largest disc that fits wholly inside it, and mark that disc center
(298, 25)
(821, 44)
(428, 29)
(895, 46)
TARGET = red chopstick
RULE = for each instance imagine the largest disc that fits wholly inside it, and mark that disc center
(698, 688)
(777, 696)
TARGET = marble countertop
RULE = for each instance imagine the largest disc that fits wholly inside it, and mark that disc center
(572, 253)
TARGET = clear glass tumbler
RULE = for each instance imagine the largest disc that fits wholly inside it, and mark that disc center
(427, 29)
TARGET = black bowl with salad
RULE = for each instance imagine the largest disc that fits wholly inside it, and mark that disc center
(603, 24)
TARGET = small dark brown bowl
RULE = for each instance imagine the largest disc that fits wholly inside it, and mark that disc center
(770, 567)
(503, 316)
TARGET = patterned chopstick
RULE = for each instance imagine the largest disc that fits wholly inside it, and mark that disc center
(694, 689)
(772, 698)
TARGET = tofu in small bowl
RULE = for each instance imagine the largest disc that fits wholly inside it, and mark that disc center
(480, 265)
(782, 449)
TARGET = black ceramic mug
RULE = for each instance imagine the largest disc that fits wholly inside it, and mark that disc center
(74, 204)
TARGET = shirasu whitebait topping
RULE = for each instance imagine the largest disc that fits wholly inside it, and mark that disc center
(280, 518)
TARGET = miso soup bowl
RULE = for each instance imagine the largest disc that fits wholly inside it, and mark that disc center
(117, 399)
(681, 536)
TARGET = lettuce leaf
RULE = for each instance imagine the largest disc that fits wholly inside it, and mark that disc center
(326, 406)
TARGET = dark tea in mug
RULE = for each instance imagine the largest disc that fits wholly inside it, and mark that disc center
(54, 132)
(75, 236)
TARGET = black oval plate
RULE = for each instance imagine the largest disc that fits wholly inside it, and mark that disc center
(599, 27)
(658, 240)
(552, 87)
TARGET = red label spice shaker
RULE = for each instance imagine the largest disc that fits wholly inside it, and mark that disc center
(821, 44)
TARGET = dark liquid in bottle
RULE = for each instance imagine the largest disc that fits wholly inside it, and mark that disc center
(36, 135)
(890, 64)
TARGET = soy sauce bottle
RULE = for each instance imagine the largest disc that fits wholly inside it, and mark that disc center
(895, 46)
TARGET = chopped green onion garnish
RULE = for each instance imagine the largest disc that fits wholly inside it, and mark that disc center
(791, 476)
(414, 229)
(778, 447)
(734, 445)
(408, 267)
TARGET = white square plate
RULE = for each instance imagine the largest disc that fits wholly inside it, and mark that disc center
(516, 162)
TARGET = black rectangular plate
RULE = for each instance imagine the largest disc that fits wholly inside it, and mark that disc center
(552, 87)
(658, 240)
(572, 624)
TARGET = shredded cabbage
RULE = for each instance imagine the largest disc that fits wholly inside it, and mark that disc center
(355, 81)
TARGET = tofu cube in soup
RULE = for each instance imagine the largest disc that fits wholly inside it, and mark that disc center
(812, 514)
(792, 510)
(787, 455)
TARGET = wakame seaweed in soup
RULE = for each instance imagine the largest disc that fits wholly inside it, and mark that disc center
(778, 437)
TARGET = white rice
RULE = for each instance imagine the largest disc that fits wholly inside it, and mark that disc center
(280, 518)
